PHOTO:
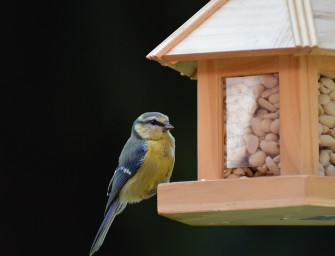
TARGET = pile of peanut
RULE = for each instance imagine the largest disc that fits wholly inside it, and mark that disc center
(327, 125)
(252, 126)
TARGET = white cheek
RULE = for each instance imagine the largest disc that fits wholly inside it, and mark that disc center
(146, 134)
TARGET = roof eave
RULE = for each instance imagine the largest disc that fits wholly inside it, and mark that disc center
(186, 64)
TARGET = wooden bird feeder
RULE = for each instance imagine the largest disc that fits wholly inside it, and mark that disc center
(265, 73)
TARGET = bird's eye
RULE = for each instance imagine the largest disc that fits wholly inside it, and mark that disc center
(155, 122)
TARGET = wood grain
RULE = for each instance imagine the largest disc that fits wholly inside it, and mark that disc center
(210, 115)
(325, 64)
(247, 66)
(324, 16)
(299, 116)
(283, 200)
(302, 23)
(279, 27)
(185, 29)
(226, 31)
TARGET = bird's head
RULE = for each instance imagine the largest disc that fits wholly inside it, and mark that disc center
(152, 126)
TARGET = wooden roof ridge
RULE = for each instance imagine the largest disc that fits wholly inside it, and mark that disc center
(302, 23)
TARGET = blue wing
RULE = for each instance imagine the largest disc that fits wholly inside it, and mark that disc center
(129, 163)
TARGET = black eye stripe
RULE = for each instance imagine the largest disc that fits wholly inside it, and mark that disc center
(155, 122)
(152, 122)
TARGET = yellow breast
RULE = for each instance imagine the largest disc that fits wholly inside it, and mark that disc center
(156, 168)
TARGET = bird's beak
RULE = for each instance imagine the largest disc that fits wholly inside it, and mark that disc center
(168, 126)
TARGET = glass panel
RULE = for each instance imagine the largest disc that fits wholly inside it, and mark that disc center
(327, 125)
(252, 125)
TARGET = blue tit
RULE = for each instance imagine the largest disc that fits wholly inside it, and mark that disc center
(146, 160)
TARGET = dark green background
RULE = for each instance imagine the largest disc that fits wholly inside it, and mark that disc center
(74, 79)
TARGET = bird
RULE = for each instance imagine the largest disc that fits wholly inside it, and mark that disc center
(146, 160)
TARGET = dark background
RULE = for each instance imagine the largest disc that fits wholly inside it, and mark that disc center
(74, 78)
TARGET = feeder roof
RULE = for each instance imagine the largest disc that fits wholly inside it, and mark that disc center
(236, 28)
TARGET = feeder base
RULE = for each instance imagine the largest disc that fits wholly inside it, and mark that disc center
(272, 201)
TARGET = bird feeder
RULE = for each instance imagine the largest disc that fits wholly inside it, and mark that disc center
(265, 74)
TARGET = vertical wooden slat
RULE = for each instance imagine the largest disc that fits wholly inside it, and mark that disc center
(290, 126)
(309, 115)
(298, 115)
(210, 108)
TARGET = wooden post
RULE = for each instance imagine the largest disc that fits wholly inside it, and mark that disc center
(210, 115)
(309, 115)
(298, 115)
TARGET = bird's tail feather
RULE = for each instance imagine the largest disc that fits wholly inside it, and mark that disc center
(105, 225)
